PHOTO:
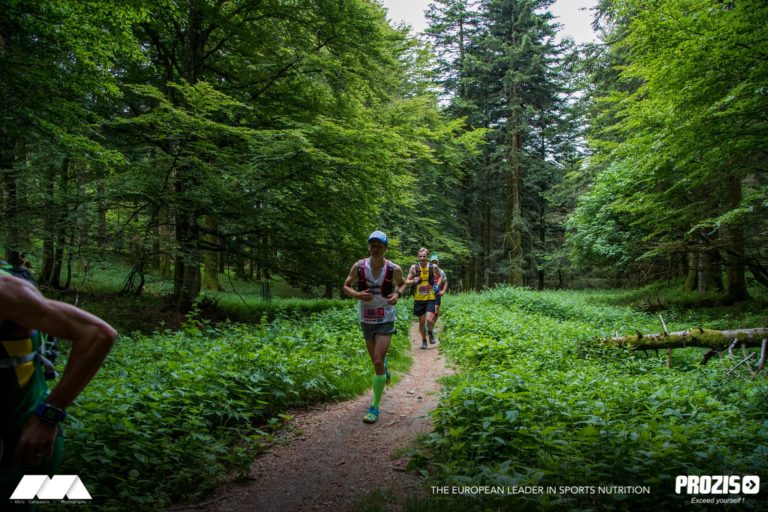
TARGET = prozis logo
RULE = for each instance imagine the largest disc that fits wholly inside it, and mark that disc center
(717, 484)
(56, 488)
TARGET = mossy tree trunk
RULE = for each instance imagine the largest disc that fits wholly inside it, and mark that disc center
(697, 337)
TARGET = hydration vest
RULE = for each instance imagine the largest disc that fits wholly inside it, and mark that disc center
(386, 285)
(431, 279)
(425, 292)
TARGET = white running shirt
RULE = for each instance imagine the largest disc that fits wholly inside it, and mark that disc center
(378, 310)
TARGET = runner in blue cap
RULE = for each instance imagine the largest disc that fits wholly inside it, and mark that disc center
(380, 285)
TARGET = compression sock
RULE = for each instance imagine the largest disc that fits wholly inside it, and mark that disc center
(378, 389)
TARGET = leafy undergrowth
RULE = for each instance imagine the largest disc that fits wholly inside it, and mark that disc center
(171, 414)
(532, 405)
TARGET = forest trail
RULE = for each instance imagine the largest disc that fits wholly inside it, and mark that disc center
(331, 458)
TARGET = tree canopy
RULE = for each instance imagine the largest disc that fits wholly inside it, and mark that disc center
(269, 138)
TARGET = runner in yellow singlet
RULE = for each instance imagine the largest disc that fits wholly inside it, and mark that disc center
(422, 275)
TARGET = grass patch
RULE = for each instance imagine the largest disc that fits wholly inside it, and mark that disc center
(377, 500)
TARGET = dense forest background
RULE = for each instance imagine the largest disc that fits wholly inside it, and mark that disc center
(267, 138)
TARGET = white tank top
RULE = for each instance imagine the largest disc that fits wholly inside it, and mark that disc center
(378, 310)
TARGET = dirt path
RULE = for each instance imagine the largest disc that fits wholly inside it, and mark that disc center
(334, 458)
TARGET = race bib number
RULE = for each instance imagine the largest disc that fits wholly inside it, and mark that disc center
(424, 289)
(374, 314)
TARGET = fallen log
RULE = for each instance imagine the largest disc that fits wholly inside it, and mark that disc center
(697, 337)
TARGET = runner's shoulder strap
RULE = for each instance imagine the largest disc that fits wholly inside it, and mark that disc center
(362, 283)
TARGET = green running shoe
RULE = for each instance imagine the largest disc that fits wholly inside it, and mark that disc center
(372, 416)
(386, 371)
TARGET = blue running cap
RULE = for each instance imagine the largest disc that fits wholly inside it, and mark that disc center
(380, 236)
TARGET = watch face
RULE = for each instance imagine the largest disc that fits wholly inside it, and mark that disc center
(49, 413)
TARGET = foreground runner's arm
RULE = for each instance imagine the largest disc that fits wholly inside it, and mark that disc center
(397, 277)
(91, 338)
(365, 295)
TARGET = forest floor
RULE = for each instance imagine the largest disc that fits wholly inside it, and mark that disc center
(326, 458)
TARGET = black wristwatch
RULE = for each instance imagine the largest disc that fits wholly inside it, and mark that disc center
(49, 413)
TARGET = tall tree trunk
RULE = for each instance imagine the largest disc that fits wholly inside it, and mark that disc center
(733, 235)
(465, 271)
(68, 281)
(153, 230)
(11, 213)
(466, 216)
(210, 257)
(165, 234)
(239, 262)
(187, 282)
(542, 241)
(513, 236)
(681, 263)
(462, 53)
(60, 227)
(485, 260)
(265, 272)
(186, 269)
(709, 276)
(187, 264)
(49, 224)
(13, 201)
(101, 228)
(58, 258)
(468, 273)
(513, 226)
(8, 142)
(692, 271)
(78, 228)
(24, 221)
